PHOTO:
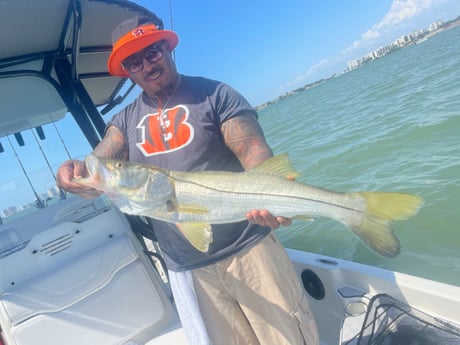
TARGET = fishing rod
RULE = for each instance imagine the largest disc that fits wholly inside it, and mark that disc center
(171, 15)
(61, 192)
(43, 154)
(39, 203)
(172, 24)
(62, 141)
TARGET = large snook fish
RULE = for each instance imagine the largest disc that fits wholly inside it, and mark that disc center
(194, 200)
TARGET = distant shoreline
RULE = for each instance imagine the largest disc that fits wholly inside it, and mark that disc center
(443, 27)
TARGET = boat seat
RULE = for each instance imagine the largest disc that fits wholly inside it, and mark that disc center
(82, 280)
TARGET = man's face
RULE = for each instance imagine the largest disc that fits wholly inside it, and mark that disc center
(152, 68)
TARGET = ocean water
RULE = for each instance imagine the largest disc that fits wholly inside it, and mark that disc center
(391, 125)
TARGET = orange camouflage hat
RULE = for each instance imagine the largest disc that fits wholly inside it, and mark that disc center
(130, 37)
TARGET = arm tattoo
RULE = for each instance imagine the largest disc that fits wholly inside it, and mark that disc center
(113, 145)
(243, 135)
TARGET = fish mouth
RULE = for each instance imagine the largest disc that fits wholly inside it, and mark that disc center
(98, 173)
(93, 178)
(92, 164)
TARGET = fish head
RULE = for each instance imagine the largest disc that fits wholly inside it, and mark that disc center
(138, 182)
(113, 176)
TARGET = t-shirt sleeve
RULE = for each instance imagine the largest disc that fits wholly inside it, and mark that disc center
(229, 103)
(120, 120)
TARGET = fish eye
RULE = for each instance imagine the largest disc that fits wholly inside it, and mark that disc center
(119, 165)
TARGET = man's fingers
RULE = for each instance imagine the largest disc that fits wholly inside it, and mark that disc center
(265, 218)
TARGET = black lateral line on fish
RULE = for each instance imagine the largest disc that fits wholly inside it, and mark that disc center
(269, 194)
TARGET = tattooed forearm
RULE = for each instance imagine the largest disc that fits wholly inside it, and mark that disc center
(245, 138)
(113, 145)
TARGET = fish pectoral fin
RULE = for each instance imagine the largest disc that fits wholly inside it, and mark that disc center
(199, 234)
(192, 209)
(303, 217)
(277, 165)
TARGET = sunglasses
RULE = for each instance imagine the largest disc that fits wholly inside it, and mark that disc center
(134, 63)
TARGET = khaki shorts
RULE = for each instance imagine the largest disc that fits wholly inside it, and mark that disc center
(255, 298)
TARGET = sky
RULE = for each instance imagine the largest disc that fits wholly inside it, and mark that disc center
(267, 48)
(261, 48)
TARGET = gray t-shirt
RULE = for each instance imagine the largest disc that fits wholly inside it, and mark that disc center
(186, 136)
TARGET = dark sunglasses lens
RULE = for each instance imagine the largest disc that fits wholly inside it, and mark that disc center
(152, 53)
(133, 63)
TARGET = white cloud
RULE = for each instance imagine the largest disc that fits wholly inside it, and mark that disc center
(370, 35)
(312, 71)
(402, 10)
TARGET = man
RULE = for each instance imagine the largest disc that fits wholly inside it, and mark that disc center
(245, 285)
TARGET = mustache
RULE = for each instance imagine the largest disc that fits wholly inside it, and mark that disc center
(153, 71)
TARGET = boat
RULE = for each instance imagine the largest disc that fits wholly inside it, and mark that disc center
(76, 271)
(421, 40)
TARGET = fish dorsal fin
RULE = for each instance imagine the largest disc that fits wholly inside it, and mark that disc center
(199, 234)
(277, 165)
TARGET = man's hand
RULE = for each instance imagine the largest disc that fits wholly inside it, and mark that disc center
(265, 218)
(64, 179)
(113, 145)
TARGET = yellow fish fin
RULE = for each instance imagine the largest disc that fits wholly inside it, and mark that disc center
(381, 209)
(191, 209)
(199, 234)
(303, 217)
(277, 165)
(392, 206)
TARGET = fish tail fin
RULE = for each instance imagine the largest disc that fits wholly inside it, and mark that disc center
(381, 209)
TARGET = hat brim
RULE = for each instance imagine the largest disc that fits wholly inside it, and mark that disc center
(131, 47)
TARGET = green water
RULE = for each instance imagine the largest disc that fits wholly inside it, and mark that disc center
(392, 125)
